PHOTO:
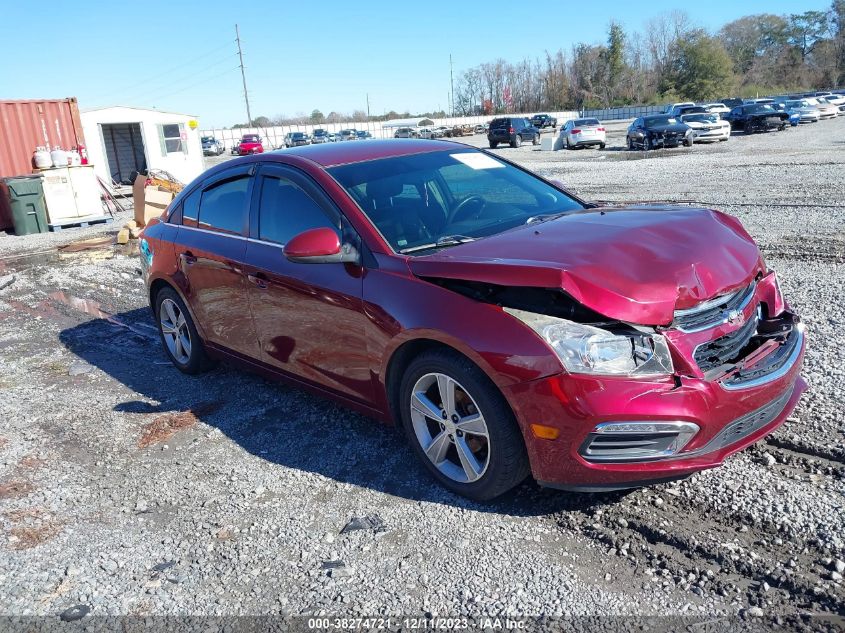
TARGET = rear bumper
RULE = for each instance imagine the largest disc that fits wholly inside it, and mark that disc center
(729, 421)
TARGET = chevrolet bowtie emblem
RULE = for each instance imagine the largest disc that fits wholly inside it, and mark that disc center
(734, 317)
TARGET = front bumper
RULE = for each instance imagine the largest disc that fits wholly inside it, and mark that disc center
(702, 136)
(729, 418)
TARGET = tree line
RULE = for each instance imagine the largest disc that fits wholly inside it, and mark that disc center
(671, 60)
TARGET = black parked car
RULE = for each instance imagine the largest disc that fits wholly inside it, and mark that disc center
(512, 130)
(732, 102)
(543, 120)
(659, 130)
(757, 117)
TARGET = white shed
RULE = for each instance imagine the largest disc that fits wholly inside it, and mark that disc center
(124, 140)
(415, 122)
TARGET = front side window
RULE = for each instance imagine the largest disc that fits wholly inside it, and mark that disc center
(286, 210)
(417, 200)
(223, 206)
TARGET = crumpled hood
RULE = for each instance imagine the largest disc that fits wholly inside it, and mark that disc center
(634, 264)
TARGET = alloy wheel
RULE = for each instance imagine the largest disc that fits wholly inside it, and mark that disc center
(175, 331)
(450, 427)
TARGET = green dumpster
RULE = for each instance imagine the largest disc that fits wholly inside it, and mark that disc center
(26, 199)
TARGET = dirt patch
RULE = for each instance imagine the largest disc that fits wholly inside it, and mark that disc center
(15, 489)
(31, 462)
(31, 527)
(165, 426)
(26, 537)
(3, 442)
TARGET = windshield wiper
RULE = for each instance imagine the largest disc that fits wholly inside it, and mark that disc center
(446, 240)
(545, 216)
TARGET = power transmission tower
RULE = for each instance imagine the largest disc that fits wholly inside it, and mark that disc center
(243, 76)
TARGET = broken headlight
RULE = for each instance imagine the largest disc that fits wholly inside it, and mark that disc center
(584, 349)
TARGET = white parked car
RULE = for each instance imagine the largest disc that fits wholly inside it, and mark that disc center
(583, 133)
(716, 108)
(826, 109)
(707, 127)
(426, 132)
(673, 108)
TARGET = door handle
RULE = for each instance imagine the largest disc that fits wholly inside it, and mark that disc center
(257, 279)
(188, 258)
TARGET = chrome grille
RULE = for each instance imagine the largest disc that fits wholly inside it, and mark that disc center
(713, 312)
(726, 349)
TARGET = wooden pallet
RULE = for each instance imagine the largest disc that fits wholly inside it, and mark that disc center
(80, 222)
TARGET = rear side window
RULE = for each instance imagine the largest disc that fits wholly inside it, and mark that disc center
(285, 210)
(223, 206)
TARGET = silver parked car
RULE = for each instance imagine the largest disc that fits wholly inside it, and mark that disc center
(807, 112)
(583, 133)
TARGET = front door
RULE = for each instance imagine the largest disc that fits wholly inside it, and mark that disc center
(309, 317)
(211, 246)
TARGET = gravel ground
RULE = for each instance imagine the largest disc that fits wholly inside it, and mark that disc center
(132, 489)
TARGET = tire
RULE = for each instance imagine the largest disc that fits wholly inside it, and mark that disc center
(601, 145)
(687, 143)
(630, 144)
(493, 145)
(517, 140)
(502, 448)
(568, 144)
(536, 139)
(195, 361)
(647, 144)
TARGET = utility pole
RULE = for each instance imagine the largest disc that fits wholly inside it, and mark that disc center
(368, 106)
(243, 76)
(452, 83)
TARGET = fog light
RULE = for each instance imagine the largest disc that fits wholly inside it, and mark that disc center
(636, 441)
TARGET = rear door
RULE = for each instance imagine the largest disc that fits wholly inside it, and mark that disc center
(210, 248)
(309, 317)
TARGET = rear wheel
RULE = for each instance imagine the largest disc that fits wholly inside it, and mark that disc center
(493, 145)
(601, 145)
(517, 140)
(461, 427)
(536, 139)
(179, 334)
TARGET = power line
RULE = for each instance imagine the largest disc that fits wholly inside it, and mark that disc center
(158, 76)
(189, 86)
(172, 80)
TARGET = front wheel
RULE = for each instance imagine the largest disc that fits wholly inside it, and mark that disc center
(460, 426)
(535, 140)
(517, 141)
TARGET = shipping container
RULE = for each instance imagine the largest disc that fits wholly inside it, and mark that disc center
(26, 124)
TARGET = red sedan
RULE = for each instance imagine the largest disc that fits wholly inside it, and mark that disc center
(250, 144)
(508, 326)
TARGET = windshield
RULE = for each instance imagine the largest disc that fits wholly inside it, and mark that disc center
(657, 121)
(761, 107)
(700, 118)
(249, 138)
(297, 135)
(207, 139)
(416, 200)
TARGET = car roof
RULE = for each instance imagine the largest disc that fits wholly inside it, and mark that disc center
(344, 153)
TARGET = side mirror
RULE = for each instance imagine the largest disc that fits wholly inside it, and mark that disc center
(558, 183)
(319, 246)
